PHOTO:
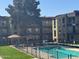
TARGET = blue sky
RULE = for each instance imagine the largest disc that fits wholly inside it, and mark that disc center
(48, 7)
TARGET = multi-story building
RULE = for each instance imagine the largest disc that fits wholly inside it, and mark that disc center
(33, 33)
(46, 25)
(4, 28)
(30, 29)
(37, 31)
(66, 27)
(63, 28)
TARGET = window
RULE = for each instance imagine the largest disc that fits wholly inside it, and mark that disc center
(70, 29)
(74, 29)
(4, 22)
(63, 20)
(54, 32)
(4, 31)
(54, 23)
(59, 31)
(37, 29)
(63, 25)
(73, 19)
(45, 23)
(36, 36)
(72, 37)
(29, 30)
(63, 35)
(47, 30)
(55, 39)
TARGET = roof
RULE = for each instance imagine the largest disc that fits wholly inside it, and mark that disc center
(47, 18)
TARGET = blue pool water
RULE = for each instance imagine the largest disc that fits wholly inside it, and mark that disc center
(60, 53)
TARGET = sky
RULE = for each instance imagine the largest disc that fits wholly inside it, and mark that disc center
(48, 7)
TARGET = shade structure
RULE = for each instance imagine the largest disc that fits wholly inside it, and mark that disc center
(14, 36)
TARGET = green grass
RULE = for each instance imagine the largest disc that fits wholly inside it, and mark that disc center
(7, 52)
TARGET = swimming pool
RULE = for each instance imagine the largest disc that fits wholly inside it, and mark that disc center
(60, 53)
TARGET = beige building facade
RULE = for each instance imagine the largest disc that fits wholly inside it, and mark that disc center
(65, 27)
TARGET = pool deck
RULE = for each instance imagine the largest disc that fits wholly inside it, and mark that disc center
(70, 45)
(73, 49)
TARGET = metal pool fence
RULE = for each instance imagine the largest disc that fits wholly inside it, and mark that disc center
(35, 51)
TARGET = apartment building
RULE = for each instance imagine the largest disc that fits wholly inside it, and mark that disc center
(4, 28)
(34, 31)
(37, 32)
(29, 29)
(62, 28)
(46, 25)
(66, 27)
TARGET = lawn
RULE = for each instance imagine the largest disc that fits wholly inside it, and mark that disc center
(7, 52)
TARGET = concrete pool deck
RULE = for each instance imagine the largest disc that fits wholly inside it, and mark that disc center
(73, 49)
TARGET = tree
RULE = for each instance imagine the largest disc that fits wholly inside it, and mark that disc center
(23, 11)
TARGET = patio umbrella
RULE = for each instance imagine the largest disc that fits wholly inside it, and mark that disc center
(14, 36)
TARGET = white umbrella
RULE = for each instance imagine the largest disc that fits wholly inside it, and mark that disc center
(14, 36)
